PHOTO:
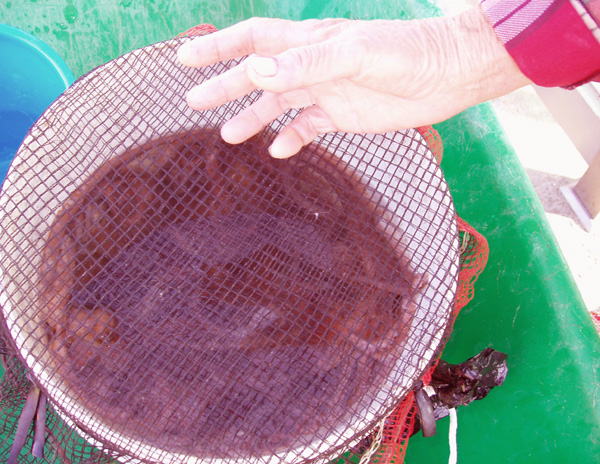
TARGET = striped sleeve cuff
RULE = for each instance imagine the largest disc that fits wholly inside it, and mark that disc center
(554, 42)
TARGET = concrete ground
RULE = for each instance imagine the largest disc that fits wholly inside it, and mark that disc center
(552, 161)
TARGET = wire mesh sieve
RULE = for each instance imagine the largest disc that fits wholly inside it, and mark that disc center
(180, 299)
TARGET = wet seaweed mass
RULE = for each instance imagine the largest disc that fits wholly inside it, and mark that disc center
(209, 300)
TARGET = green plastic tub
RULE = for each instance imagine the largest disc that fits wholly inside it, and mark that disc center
(526, 303)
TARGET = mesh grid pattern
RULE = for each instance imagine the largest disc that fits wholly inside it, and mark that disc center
(183, 300)
(474, 253)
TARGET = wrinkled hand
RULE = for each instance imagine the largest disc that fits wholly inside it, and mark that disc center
(352, 76)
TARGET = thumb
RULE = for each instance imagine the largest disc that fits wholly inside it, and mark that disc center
(301, 67)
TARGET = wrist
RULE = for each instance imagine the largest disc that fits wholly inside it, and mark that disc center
(487, 69)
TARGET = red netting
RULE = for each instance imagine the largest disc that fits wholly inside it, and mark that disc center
(596, 318)
(399, 425)
(434, 141)
(199, 30)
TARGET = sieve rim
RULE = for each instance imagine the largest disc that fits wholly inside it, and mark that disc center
(78, 414)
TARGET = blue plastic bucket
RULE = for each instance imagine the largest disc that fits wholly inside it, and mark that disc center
(32, 76)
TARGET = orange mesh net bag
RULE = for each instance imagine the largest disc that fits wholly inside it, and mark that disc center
(167, 297)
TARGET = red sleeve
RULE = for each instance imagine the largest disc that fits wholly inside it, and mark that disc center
(554, 42)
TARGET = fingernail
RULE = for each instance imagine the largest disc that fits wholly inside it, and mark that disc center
(264, 66)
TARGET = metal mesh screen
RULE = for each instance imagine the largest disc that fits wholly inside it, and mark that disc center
(180, 299)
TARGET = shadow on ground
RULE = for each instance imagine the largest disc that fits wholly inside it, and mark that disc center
(547, 186)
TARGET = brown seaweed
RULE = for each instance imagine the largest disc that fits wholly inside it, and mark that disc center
(210, 300)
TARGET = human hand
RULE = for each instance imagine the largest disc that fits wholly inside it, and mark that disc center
(352, 76)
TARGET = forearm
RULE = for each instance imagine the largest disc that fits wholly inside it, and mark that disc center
(488, 70)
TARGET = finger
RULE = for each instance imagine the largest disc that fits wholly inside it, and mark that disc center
(221, 89)
(253, 119)
(265, 36)
(260, 114)
(304, 66)
(300, 132)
